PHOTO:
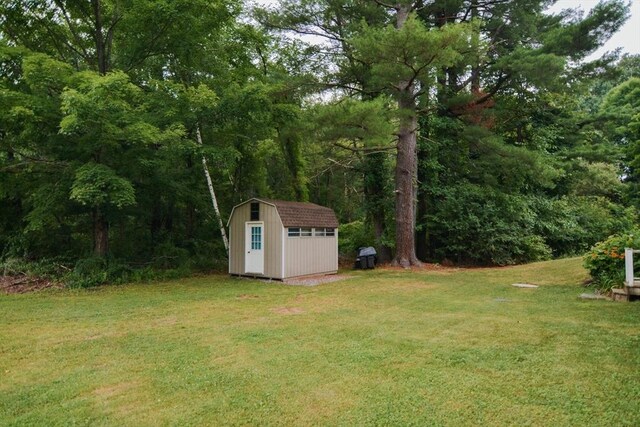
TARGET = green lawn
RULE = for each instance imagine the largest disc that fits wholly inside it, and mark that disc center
(451, 347)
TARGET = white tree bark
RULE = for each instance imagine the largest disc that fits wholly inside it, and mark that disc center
(214, 201)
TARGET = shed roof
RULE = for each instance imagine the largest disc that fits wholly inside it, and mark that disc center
(300, 214)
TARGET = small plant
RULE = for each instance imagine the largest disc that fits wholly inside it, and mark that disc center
(605, 260)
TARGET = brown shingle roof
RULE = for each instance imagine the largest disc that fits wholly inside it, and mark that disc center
(299, 214)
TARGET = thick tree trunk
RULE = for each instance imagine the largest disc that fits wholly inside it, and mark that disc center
(100, 233)
(405, 177)
(406, 165)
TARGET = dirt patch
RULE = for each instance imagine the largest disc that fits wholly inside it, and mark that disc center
(21, 284)
(287, 310)
(247, 296)
(315, 280)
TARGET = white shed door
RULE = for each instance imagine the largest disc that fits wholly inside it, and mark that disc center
(254, 248)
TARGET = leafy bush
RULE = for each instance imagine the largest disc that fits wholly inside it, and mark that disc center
(88, 272)
(605, 260)
(354, 235)
(571, 225)
(476, 225)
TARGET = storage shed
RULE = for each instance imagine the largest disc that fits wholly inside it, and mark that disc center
(280, 239)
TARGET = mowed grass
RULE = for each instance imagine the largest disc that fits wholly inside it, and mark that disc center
(449, 347)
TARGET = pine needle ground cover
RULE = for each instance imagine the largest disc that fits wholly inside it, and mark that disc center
(384, 347)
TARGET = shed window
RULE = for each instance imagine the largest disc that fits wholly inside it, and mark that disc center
(255, 211)
(300, 232)
(322, 232)
(294, 232)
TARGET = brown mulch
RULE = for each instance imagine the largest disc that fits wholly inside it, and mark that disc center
(22, 284)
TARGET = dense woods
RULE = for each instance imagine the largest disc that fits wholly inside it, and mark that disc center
(466, 131)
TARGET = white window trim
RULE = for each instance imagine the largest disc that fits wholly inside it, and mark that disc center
(313, 232)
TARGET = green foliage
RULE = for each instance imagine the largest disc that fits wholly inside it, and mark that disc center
(473, 225)
(537, 66)
(354, 235)
(355, 124)
(413, 51)
(571, 225)
(583, 36)
(606, 261)
(97, 271)
(98, 185)
(622, 106)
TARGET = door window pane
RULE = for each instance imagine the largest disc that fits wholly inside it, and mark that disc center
(256, 238)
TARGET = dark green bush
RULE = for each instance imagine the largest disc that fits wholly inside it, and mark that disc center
(571, 225)
(605, 260)
(476, 225)
(354, 235)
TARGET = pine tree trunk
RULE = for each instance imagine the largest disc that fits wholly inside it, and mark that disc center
(405, 176)
(406, 165)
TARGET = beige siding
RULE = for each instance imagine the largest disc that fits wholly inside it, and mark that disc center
(310, 255)
(272, 239)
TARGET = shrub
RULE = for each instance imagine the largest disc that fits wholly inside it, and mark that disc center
(475, 225)
(353, 236)
(88, 272)
(605, 260)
